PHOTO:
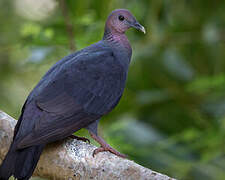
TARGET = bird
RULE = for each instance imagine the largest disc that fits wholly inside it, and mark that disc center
(73, 94)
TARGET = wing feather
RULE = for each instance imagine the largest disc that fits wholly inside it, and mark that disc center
(74, 94)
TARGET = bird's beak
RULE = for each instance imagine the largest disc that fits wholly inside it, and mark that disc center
(138, 27)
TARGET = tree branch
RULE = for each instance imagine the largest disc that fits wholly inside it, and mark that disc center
(69, 26)
(72, 159)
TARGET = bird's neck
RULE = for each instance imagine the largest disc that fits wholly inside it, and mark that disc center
(117, 39)
(120, 45)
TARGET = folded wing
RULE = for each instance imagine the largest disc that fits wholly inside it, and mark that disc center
(73, 95)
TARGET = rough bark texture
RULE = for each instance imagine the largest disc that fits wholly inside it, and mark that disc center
(72, 159)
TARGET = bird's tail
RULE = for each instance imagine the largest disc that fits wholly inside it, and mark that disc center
(20, 163)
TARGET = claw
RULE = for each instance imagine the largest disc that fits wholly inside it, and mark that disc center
(110, 149)
(80, 138)
(104, 146)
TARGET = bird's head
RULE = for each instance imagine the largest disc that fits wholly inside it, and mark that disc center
(121, 20)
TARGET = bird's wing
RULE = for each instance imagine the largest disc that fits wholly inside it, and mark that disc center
(93, 80)
(75, 94)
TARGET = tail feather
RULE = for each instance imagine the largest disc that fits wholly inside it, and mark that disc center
(27, 161)
(7, 166)
(20, 163)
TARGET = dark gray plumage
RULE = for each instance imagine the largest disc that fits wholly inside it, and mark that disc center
(75, 93)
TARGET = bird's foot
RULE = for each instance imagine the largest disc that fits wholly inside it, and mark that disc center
(104, 146)
(110, 149)
(80, 138)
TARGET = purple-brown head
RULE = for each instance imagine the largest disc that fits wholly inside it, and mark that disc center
(120, 20)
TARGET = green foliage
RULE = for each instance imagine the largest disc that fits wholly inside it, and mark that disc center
(172, 115)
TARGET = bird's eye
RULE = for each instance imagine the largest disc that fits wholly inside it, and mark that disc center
(121, 18)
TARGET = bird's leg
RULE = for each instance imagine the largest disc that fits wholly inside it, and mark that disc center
(104, 146)
(93, 130)
(80, 138)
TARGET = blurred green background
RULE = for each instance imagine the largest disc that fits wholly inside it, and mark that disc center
(172, 115)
